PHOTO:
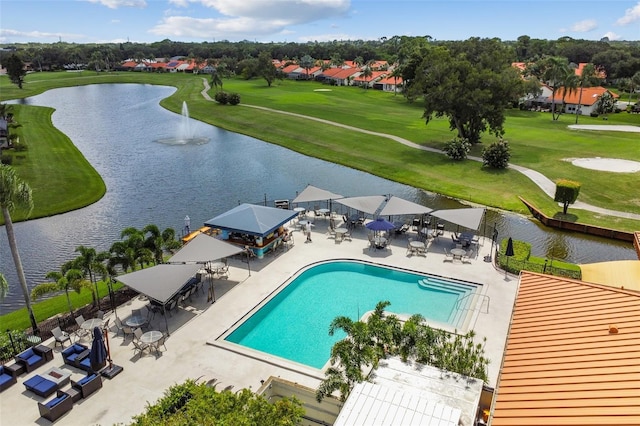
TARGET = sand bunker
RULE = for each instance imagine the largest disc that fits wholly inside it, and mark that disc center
(613, 127)
(322, 90)
(606, 164)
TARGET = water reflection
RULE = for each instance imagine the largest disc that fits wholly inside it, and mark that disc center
(115, 126)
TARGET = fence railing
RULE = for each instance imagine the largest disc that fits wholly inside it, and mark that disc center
(514, 266)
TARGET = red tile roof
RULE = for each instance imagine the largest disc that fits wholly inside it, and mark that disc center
(391, 80)
(572, 356)
(590, 95)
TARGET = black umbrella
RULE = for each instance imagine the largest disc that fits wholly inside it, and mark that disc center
(98, 354)
(508, 252)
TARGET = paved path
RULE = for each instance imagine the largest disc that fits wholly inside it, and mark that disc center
(546, 184)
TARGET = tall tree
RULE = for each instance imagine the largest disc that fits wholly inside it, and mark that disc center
(266, 68)
(64, 280)
(471, 84)
(90, 263)
(157, 242)
(15, 69)
(555, 73)
(307, 63)
(15, 193)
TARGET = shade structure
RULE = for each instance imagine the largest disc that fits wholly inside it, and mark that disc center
(204, 248)
(398, 206)
(160, 282)
(252, 219)
(380, 224)
(469, 218)
(367, 204)
(311, 193)
(98, 353)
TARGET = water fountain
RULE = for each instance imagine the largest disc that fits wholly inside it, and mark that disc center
(184, 135)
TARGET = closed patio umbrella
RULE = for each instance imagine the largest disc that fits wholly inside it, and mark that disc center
(98, 353)
(509, 253)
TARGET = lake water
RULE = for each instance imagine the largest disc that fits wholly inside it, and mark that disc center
(116, 125)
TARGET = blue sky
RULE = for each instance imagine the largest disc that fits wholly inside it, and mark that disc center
(101, 21)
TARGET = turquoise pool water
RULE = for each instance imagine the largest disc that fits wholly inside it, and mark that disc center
(294, 324)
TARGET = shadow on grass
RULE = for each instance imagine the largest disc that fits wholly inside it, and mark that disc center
(566, 217)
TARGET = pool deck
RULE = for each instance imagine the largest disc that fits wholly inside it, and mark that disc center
(192, 350)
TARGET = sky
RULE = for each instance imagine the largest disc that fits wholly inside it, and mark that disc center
(299, 21)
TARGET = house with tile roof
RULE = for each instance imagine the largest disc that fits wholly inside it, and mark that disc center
(572, 355)
(389, 84)
(582, 100)
(361, 80)
(339, 76)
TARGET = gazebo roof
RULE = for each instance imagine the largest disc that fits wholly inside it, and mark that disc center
(252, 219)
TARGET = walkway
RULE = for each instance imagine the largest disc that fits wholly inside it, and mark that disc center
(544, 183)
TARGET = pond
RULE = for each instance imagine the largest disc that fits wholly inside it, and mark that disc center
(116, 127)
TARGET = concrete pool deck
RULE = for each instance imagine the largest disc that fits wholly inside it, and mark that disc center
(192, 350)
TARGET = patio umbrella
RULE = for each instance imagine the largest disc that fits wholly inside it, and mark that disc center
(508, 252)
(380, 224)
(98, 353)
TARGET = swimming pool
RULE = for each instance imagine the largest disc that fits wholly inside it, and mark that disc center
(294, 323)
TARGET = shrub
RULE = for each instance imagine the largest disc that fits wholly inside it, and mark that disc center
(496, 155)
(234, 98)
(457, 148)
(6, 159)
(567, 192)
(222, 98)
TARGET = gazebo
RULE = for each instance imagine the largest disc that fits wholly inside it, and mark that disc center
(259, 228)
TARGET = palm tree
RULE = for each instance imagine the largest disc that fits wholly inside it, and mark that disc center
(158, 242)
(216, 80)
(396, 73)
(15, 193)
(569, 86)
(367, 73)
(588, 78)
(556, 70)
(64, 280)
(135, 241)
(90, 262)
(306, 62)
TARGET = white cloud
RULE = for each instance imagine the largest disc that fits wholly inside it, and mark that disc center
(584, 26)
(7, 35)
(630, 15)
(115, 4)
(611, 35)
(248, 18)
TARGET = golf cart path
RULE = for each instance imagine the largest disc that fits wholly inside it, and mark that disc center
(546, 184)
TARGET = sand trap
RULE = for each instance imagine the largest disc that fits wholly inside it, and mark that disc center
(322, 90)
(616, 128)
(606, 164)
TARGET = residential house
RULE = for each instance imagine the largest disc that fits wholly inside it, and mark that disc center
(389, 84)
(294, 72)
(339, 76)
(571, 355)
(361, 80)
(581, 101)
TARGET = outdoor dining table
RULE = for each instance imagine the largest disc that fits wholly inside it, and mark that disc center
(340, 232)
(90, 324)
(135, 321)
(458, 253)
(215, 266)
(324, 212)
(300, 210)
(151, 337)
(380, 242)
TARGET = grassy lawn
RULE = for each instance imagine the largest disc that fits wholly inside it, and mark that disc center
(537, 141)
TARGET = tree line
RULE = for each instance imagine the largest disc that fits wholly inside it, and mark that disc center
(620, 59)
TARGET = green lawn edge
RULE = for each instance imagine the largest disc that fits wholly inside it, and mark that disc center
(545, 140)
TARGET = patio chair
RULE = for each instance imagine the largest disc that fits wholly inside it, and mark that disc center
(81, 332)
(372, 244)
(100, 314)
(331, 232)
(60, 336)
(347, 235)
(139, 347)
(119, 326)
(160, 342)
(447, 255)
(138, 333)
(172, 305)
(127, 331)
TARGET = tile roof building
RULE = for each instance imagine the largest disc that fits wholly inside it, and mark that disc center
(572, 355)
